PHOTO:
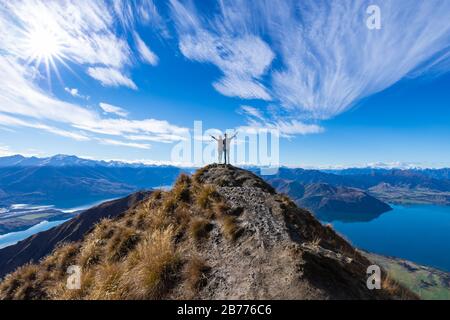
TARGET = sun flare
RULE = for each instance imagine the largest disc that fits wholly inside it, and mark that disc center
(43, 46)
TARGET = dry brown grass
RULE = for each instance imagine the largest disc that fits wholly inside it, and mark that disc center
(230, 228)
(316, 242)
(123, 240)
(199, 228)
(394, 288)
(206, 196)
(90, 253)
(195, 273)
(21, 285)
(62, 257)
(181, 190)
(221, 209)
(133, 256)
(153, 266)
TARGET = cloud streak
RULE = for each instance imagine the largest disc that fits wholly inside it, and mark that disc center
(109, 108)
(24, 104)
(111, 77)
(145, 53)
(328, 60)
(243, 58)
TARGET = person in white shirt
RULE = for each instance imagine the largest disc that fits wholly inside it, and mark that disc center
(220, 145)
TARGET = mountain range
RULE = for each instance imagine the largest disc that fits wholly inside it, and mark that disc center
(68, 181)
(330, 202)
(428, 186)
(355, 194)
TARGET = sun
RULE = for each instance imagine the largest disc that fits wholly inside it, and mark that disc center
(43, 46)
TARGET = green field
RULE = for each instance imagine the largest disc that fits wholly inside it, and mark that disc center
(428, 283)
(34, 216)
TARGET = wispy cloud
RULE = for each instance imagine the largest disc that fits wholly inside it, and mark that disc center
(328, 59)
(85, 30)
(5, 151)
(23, 103)
(124, 143)
(109, 108)
(89, 33)
(111, 77)
(15, 122)
(75, 93)
(286, 129)
(251, 111)
(145, 53)
(243, 58)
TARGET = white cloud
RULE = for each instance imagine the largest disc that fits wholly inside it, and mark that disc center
(23, 103)
(15, 122)
(162, 137)
(108, 108)
(82, 32)
(5, 151)
(111, 77)
(243, 58)
(75, 93)
(285, 128)
(85, 30)
(121, 127)
(327, 59)
(145, 53)
(251, 111)
(124, 144)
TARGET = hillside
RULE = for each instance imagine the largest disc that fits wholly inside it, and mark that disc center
(222, 234)
(330, 203)
(43, 243)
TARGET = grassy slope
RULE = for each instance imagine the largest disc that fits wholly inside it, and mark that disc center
(427, 282)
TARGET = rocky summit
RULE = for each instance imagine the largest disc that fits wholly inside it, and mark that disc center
(223, 233)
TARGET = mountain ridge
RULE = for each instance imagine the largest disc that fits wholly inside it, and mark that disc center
(33, 248)
(330, 203)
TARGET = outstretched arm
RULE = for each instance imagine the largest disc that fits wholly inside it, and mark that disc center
(214, 138)
(234, 135)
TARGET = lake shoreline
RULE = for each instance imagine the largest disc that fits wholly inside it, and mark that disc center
(418, 233)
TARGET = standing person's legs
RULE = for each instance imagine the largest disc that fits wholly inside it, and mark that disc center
(220, 155)
(225, 152)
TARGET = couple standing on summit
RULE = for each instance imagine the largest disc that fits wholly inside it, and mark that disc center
(223, 146)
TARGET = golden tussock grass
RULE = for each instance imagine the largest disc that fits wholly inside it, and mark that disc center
(199, 228)
(206, 196)
(123, 240)
(153, 266)
(181, 190)
(195, 273)
(230, 228)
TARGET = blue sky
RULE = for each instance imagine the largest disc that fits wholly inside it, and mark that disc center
(126, 80)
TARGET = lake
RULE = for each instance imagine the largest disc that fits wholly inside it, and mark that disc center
(420, 233)
(14, 237)
(11, 238)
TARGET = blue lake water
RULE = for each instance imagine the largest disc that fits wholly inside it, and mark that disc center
(11, 238)
(420, 233)
(14, 237)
